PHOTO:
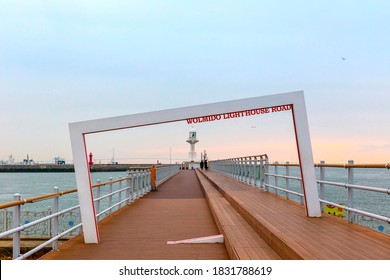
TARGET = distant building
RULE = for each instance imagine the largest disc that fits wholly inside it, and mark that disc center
(28, 161)
(59, 160)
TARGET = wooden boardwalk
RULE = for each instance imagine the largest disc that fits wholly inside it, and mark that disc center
(177, 211)
(255, 225)
(285, 227)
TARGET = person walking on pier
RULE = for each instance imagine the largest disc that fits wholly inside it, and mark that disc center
(153, 176)
(201, 164)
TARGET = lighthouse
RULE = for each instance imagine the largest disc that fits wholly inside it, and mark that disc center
(192, 140)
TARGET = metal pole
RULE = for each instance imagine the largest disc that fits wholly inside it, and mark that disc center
(16, 223)
(54, 229)
(247, 170)
(4, 220)
(128, 191)
(136, 184)
(98, 196)
(149, 181)
(276, 178)
(133, 183)
(287, 180)
(351, 215)
(261, 173)
(143, 175)
(254, 171)
(110, 196)
(49, 222)
(120, 193)
(322, 178)
(266, 176)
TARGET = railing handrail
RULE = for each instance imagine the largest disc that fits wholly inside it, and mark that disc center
(243, 157)
(339, 165)
(284, 176)
(358, 187)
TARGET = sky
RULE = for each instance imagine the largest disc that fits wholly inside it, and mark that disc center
(69, 61)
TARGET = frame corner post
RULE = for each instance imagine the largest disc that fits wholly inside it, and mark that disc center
(305, 155)
(84, 186)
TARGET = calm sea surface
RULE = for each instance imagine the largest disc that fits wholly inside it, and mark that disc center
(34, 184)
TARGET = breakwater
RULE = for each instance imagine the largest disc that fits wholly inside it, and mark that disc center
(66, 167)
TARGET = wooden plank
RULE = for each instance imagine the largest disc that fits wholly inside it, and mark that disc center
(241, 240)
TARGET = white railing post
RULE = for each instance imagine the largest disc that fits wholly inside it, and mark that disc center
(120, 192)
(261, 173)
(49, 222)
(98, 196)
(133, 185)
(266, 176)
(287, 180)
(254, 171)
(140, 182)
(55, 223)
(143, 182)
(136, 184)
(5, 227)
(110, 195)
(351, 215)
(247, 170)
(128, 190)
(16, 223)
(276, 178)
(237, 164)
(148, 180)
(242, 169)
(322, 190)
(235, 168)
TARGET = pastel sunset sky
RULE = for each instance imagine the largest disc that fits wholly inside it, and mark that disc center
(67, 61)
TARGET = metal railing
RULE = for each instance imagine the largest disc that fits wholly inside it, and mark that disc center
(248, 169)
(120, 192)
(284, 179)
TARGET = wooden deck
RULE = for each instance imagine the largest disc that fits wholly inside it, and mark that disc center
(177, 211)
(285, 227)
(255, 225)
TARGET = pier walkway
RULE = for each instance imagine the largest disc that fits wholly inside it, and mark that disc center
(255, 225)
(177, 211)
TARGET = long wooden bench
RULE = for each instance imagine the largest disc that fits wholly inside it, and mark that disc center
(283, 224)
(241, 240)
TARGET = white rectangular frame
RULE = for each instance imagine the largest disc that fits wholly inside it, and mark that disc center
(78, 130)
